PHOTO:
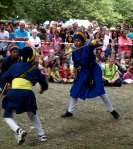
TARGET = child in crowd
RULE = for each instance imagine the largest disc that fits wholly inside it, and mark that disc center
(111, 75)
(46, 46)
(43, 66)
(65, 73)
(100, 57)
(128, 76)
(108, 51)
(55, 75)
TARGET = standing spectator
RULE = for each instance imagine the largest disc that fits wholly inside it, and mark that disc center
(11, 59)
(68, 49)
(106, 40)
(21, 35)
(124, 44)
(34, 41)
(47, 48)
(4, 35)
(57, 40)
(108, 51)
(10, 29)
(114, 41)
(100, 56)
(42, 33)
(130, 35)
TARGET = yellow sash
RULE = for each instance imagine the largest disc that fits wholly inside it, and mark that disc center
(21, 83)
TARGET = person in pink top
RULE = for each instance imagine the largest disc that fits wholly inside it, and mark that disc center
(57, 42)
(124, 44)
(47, 46)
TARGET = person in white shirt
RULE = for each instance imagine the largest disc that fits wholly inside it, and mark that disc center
(4, 35)
(34, 41)
(106, 40)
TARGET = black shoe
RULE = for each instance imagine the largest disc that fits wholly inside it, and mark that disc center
(115, 114)
(67, 114)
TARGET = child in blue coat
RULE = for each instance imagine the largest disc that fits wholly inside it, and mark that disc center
(20, 98)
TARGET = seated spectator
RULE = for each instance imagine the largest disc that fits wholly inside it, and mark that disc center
(124, 63)
(111, 75)
(128, 76)
(65, 73)
(43, 65)
(55, 75)
(121, 67)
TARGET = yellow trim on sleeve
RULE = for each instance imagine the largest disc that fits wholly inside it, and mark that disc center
(94, 42)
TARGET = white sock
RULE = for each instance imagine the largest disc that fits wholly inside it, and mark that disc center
(36, 123)
(72, 104)
(107, 102)
(12, 124)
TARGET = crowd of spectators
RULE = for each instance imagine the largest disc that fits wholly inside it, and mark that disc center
(54, 44)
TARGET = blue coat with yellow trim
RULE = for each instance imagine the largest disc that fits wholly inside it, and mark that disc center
(18, 99)
(88, 82)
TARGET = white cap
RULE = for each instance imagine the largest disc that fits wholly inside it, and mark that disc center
(22, 22)
(112, 28)
(34, 30)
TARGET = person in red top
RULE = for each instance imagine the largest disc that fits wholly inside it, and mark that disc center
(65, 73)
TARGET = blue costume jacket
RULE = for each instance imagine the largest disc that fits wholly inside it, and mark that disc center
(18, 99)
(85, 60)
(7, 62)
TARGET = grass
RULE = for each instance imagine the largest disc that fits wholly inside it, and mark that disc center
(90, 128)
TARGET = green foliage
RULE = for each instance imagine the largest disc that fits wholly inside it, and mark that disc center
(6, 7)
(105, 11)
(125, 8)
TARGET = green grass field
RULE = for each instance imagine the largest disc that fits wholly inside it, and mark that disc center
(92, 127)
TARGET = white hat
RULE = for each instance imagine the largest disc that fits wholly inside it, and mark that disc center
(112, 28)
(34, 30)
(22, 22)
